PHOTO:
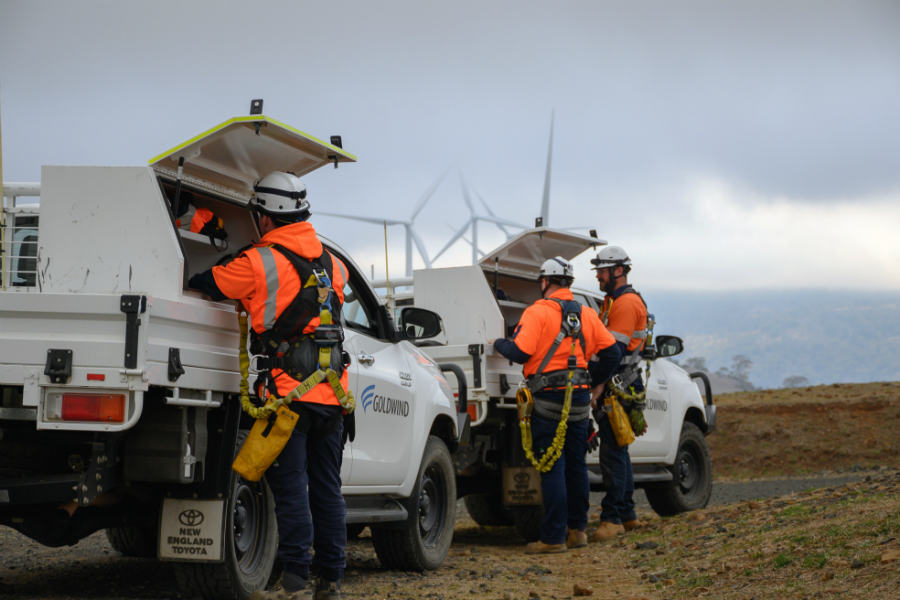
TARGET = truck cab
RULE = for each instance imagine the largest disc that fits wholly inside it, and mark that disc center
(119, 385)
(485, 301)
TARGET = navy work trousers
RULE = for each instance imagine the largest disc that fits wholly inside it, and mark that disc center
(306, 482)
(617, 505)
(565, 486)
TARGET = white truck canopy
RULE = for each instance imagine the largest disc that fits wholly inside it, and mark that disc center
(523, 254)
(229, 157)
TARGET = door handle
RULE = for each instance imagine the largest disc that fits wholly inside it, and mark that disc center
(365, 359)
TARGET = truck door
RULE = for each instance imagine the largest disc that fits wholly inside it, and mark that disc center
(381, 382)
(657, 442)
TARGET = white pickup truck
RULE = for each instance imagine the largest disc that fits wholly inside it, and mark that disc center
(119, 386)
(482, 302)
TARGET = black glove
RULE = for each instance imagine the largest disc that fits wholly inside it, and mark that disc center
(593, 439)
(349, 428)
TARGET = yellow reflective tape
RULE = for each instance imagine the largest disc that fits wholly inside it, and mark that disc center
(250, 119)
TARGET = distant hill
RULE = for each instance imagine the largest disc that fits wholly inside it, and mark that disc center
(825, 336)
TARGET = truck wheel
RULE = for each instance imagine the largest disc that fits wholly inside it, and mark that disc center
(354, 530)
(693, 472)
(528, 521)
(251, 540)
(134, 542)
(488, 511)
(424, 545)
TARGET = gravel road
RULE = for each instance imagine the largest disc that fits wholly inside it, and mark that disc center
(743, 491)
(91, 570)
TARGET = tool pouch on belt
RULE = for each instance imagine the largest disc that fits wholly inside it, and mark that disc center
(621, 424)
(264, 443)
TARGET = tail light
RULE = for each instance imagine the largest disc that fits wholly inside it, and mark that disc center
(93, 407)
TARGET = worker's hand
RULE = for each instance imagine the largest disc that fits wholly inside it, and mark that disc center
(593, 439)
(595, 395)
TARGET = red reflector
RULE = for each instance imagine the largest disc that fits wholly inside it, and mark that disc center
(456, 394)
(84, 407)
(96, 377)
(472, 409)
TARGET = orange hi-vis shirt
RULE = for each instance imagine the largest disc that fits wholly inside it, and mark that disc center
(624, 318)
(265, 282)
(539, 326)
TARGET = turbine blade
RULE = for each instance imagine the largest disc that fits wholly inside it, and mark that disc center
(421, 246)
(375, 220)
(545, 202)
(455, 237)
(428, 193)
(465, 191)
(467, 241)
(490, 212)
(499, 221)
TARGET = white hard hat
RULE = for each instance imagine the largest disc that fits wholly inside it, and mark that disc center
(280, 194)
(611, 256)
(557, 267)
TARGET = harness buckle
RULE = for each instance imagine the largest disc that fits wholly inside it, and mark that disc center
(254, 368)
(616, 380)
(328, 335)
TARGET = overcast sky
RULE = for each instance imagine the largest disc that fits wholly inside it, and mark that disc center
(724, 145)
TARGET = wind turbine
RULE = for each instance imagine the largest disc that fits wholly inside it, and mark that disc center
(474, 218)
(412, 236)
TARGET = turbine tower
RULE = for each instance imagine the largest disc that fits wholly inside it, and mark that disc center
(412, 236)
(545, 202)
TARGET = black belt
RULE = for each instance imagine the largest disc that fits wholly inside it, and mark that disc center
(558, 379)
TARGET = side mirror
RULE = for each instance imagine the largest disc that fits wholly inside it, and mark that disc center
(669, 345)
(419, 323)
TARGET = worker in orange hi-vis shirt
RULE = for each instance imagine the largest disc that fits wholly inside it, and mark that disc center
(542, 344)
(625, 315)
(276, 281)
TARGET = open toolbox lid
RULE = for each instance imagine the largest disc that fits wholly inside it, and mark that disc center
(523, 254)
(232, 155)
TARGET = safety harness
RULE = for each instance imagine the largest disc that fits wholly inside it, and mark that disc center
(570, 327)
(620, 385)
(311, 359)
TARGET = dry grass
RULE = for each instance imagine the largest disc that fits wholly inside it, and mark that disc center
(776, 433)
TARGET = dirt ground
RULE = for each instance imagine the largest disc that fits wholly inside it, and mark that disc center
(840, 541)
(831, 428)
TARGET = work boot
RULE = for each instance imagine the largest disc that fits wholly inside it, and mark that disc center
(300, 589)
(629, 525)
(576, 539)
(606, 531)
(542, 548)
(327, 590)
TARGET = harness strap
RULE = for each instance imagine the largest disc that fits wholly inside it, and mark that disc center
(537, 381)
(554, 410)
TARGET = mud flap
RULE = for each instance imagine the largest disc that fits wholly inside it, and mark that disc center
(521, 486)
(192, 531)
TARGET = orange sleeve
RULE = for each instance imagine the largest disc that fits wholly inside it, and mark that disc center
(624, 317)
(236, 279)
(528, 332)
(598, 336)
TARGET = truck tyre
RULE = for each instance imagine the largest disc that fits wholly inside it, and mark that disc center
(488, 511)
(528, 521)
(354, 530)
(133, 542)
(251, 541)
(423, 545)
(692, 471)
